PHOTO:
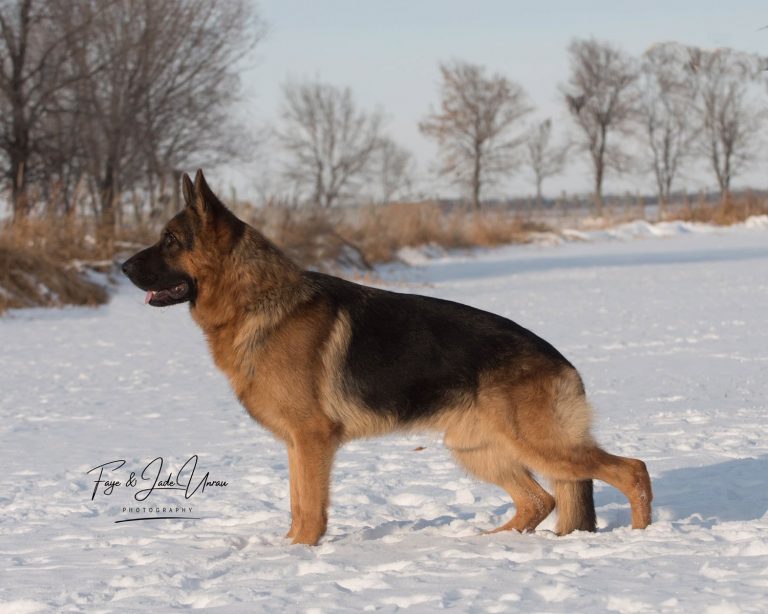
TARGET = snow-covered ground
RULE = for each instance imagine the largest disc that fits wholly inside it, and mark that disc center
(669, 333)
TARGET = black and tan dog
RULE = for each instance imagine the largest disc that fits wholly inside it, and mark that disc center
(319, 361)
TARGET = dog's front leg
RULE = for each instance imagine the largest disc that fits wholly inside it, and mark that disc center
(293, 479)
(313, 457)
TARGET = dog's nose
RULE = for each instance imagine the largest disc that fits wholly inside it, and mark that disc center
(127, 267)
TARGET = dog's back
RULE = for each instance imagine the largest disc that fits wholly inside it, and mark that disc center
(412, 356)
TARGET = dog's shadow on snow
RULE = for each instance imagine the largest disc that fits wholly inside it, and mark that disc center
(734, 490)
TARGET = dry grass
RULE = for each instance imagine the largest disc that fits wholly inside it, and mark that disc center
(404, 225)
(42, 262)
(382, 231)
(311, 237)
(731, 210)
(71, 238)
(40, 258)
(369, 235)
(30, 278)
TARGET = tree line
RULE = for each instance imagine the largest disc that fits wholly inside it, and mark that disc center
(661, 113)
(105, 101)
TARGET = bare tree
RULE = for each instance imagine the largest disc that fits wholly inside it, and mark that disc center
(188, 103)
(330, 143)
(164, 91)
(669, 93)
(392, 170)
(600, 99)
(475, 127)
(544, 158)
(729, 119)
(33, 72)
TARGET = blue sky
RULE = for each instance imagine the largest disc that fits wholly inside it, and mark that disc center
(388, 53)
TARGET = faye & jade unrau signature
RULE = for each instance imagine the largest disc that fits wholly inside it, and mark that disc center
(152, 478)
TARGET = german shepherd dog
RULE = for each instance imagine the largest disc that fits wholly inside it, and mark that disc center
(319, 361)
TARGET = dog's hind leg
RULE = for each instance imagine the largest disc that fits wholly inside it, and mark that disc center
(548, 425)
(532, 503)
(575, 506)
(495, 464)
(629, 475)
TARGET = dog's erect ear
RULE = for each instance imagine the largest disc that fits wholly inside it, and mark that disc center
(202, 189)
(202, 198)
(215, 215)
(187, 189)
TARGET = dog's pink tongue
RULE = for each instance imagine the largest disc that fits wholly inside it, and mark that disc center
(148, 296)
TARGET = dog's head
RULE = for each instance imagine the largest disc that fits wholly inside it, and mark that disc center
(191, 248)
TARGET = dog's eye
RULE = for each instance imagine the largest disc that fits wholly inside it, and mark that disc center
(169, 240)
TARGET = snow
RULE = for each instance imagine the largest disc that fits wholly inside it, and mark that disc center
(669, 332)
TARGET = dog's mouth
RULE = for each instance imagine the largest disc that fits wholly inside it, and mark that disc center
(168, 296)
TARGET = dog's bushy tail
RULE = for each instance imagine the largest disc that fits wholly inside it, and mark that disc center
(575, 506)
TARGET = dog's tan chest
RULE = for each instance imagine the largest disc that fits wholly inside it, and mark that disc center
(275, 372)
